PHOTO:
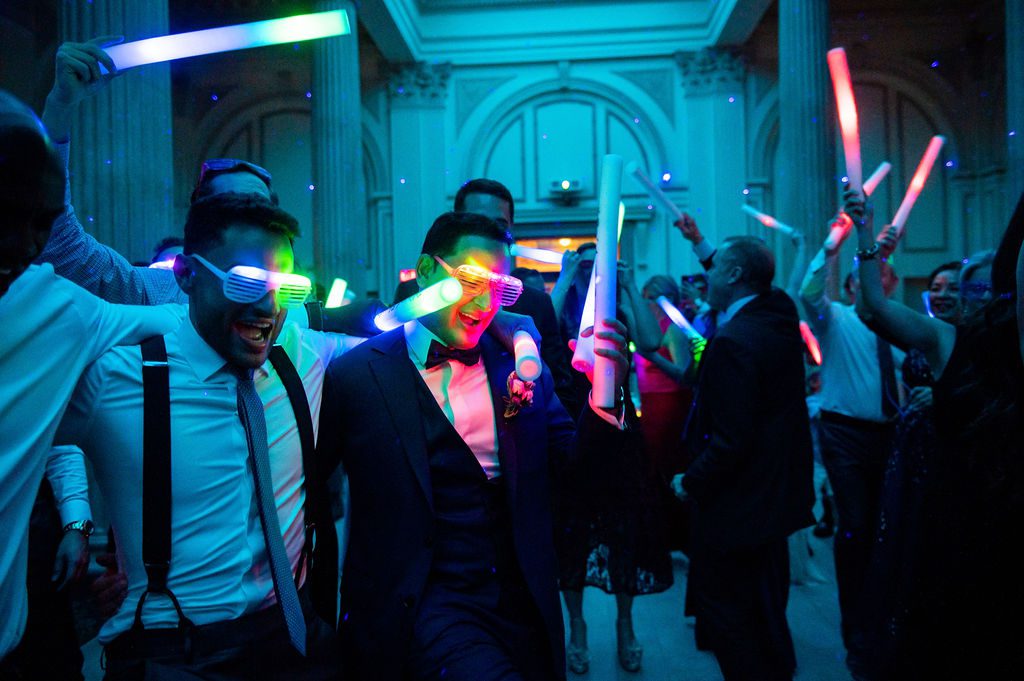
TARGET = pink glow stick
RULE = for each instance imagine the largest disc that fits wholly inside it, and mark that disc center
(876, 178)
(847, 108)
(811, 342)
(917, 183)
(654, 190)
(605, 274)
(766, 220)
(677, 317)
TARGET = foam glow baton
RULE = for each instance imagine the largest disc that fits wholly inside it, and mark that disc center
(605, 274)
(766, 220)
(528, 364)
(336, 296)
(677, 317)
(163, 264)
(583, 355)
(538, 254)
(876, 178)
(431, 299)
(654, 190)
(917, 183)
(847, 107)
(226, 38)
(811, 342)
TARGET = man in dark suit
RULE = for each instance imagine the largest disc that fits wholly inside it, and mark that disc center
(450, 570)
(493, 199)
(751, 479)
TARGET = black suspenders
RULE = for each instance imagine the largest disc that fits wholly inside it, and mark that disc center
(156, 468)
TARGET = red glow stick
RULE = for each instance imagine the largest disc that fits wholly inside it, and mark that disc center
(811, 342)
(917, 183)
(766, 220)
(847, 108)
(876, 178)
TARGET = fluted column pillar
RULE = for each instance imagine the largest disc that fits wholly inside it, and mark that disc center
(341, 242)
(122, 174)
(807, 191)
(1014, 101)
(418, 94)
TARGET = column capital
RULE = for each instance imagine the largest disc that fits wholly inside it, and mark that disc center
(420, 83)
(711, 69)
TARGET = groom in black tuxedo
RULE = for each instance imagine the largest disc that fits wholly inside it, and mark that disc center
(751, 478)
(450, 570)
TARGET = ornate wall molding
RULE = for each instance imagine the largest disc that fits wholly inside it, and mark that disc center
(711, 70)
(420, 83)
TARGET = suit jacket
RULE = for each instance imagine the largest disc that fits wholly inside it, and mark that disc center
(371, 422)
(752, 473)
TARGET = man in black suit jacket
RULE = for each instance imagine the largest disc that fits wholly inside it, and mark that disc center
(751, 479)
(450, 569)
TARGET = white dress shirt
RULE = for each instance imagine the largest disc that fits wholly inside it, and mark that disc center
(219, 568)
(731, 311)
(65, 471)
(50, 330)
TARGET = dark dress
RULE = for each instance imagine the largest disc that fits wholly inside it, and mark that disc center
(965, 615)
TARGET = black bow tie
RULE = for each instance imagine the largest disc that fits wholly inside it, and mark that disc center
(438, 354)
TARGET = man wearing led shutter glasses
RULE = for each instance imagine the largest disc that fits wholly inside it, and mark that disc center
(450, 568)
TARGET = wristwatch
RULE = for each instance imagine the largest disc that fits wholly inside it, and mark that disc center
(86, 527)
(868, 253)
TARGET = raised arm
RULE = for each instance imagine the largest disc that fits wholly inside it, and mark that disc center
(897, 323)
(642, 326)
(813, 293)
(796, 275)
(702, 248)
(570, 263)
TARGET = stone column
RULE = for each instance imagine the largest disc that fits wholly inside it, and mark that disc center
(341, 242)
(1014, 22)
(122, 174)
(418, 94)
(713, 83)
(807, 166)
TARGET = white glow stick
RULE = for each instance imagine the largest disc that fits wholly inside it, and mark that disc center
(766, 220)
(847, 107)
(654, 190)
(226, 38)
(876, 178)
(583, 356)
(605, 275)
(431, 299)
(528, 364)
(677, 317)
(917, 183)
(538, 254)
(336, 296)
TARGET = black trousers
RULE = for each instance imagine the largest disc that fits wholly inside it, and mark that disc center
(854, 453)
(252, 647)
(739, 598)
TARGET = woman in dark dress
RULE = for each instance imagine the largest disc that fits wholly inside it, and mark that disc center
(964, 611)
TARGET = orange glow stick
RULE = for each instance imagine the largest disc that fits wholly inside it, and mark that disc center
(876, 178)
(917, 183)
(811, 342)
(847, 108)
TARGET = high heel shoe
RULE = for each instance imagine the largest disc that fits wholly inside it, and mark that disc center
(577, 656)
(630, 650)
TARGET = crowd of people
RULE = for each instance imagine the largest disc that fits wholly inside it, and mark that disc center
(195, 388)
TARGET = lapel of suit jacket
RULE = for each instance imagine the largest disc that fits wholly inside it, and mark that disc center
(499, 364)
(395, 374)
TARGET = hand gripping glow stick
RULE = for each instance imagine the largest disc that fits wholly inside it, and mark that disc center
(226, 38)
(654, 190)
(766, 220)
(811, 342)
(538, 254)
(431, 299)
(336, 296)
(528, 365)
(917, 183)
(605, 274)
(677, 317)
(847, 107)
(876, 178)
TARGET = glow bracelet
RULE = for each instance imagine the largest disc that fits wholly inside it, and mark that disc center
(811, 342)
(876, 178)
(654, 190)
(677, 317)
(538, 254)
(431, 299)
(605, 270)
(847, 107)
(917, 183)
(766, 220)
(528, 364)
(226, 38)
(336, 296)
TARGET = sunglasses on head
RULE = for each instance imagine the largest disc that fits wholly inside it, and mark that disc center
(245, 284)
(505, 288)
(218, 166)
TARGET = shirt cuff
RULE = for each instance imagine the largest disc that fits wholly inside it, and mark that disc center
(618, 420)
(74, 510)
(704, 250)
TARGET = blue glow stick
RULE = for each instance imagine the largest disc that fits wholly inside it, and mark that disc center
(528, 364)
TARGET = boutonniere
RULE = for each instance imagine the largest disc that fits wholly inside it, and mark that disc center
(520, 394)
